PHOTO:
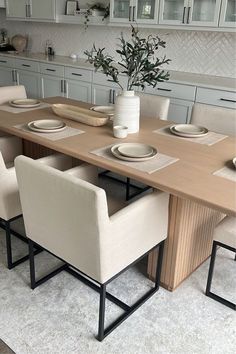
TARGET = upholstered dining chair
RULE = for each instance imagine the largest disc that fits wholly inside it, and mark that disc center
(218, 119)
(8, 93)
(69, 217)
(10, 147)
(151, 106)
(224, 236)
(10, 206)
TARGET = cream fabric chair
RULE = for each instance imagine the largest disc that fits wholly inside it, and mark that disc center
(69, 217)
(10, 147)
(10, 206)
(8, 93)
(152, 106)
(224, 236)
(218, 119)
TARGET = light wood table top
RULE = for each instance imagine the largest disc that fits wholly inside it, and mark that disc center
(189, 178)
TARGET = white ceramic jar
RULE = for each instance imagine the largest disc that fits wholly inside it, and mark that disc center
(127, 111)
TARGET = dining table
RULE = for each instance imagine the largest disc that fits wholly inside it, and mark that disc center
(199, 196)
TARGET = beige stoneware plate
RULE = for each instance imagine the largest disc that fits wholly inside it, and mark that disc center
(116, 153)
(234, 161)
(48, 124)
(32, 127)
(104, 109)
(135, 150)
(188, 130)
(25, 103)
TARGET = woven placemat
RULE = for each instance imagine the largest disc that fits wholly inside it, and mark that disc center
(8, 108)
(228, 172)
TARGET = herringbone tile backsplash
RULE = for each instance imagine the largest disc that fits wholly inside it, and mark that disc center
(212, 53)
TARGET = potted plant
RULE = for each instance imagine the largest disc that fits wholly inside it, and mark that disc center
(139, 62)
(96, 9)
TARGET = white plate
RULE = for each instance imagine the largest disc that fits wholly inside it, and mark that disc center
(25, 103)
(104, 109)
(188, 130)
(234, 161)
(48, 124)
(135, 150)
(32, 127)
(115, 152)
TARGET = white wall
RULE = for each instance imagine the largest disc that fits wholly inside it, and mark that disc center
(212, 53)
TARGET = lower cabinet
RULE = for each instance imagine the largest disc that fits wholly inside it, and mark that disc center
(78, 90)
(31, 81)
(6, 77)
(180, 111)
(103, 95)
(52, 86)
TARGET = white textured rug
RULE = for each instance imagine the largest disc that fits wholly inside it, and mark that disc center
(61, 316)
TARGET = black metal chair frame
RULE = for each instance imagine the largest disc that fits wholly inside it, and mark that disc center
(100, 288)
(6, 225)
(127, 183)
(210, 275)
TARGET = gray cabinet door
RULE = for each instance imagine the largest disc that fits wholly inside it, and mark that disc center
(180, 111)
(16, 8)
(43, 9)
(78, 90)
(103, 95)
(52, 86)
(6, 77)
(31, 81)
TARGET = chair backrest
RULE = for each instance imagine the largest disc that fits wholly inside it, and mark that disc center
(218, 119)
(62, 213)
(8, 93)
(2, 164)
(152, 106)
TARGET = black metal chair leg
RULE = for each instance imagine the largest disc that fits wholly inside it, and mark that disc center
(32, 266)
(127, 189)
(102, 312)
(211, 269)
(8, 244)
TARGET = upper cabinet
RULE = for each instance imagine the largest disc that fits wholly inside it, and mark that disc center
(139, 11)
(189, 12)
(31, 9)
(228, 13)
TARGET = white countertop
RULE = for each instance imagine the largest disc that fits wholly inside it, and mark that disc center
(187, 78)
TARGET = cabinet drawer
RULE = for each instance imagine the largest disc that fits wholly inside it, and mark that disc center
(8, 62)
(28, 65)
(102, 79)
(216, 97)
(78, 74)
(168, 89)
(51, 69)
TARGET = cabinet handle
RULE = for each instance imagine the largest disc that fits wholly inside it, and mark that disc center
(76, 74)
(65, 88)
(62, 86)
(110, 93)
(227, 100)
(27, 65)
(113, 96)
(184, 10)
(130, 7)
(188, 14)
(26, 10)
(29, 10)
(134, 13)
(3, 61)
(51, 70)
(13, 75)
(163, 89)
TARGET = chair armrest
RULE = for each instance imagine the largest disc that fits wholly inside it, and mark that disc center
(86, 172)
(10, 205)
(10, 147)
(59, 161)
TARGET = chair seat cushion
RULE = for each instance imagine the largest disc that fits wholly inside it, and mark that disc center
(225, 232)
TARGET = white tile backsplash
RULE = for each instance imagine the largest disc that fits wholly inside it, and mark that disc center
(212, 53)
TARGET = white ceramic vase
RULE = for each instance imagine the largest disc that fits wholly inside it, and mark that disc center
(127, 111)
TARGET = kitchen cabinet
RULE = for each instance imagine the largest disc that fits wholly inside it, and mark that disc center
(190, 12)
(31, 9)
(31, 81)
(140, 11)
(214, 97)
(7, 72)
(104, 91)
(228, 13)
(52, 80)
(78, 84)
